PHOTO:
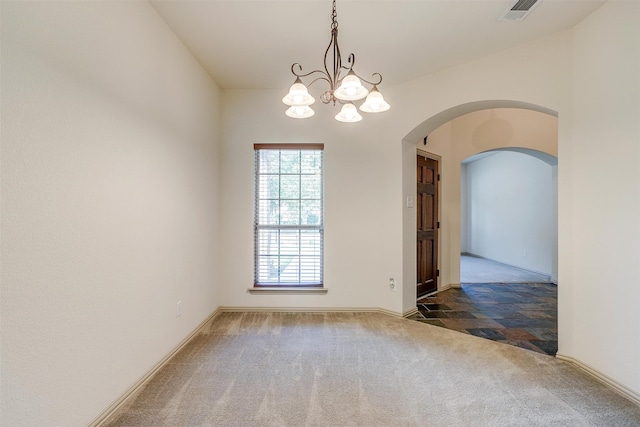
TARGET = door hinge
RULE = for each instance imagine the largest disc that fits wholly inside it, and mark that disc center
(438, 224)
(438, 177)
(437, 273)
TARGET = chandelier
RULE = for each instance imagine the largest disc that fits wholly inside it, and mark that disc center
(345, 86)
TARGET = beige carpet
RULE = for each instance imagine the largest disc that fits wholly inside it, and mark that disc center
(364, 369)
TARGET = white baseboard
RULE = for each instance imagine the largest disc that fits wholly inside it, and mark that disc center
(410, 312)
(131, 391)
(434, 293)
(310, 310)
(445, 287)
(604, 378)
(510, 265)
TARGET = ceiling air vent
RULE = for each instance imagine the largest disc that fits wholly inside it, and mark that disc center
(519, 10)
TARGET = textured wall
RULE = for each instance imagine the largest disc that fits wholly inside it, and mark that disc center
(109, 203)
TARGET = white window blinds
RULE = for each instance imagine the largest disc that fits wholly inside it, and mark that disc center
(289, 206)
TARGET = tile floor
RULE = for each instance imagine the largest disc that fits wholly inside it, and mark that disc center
(524, 315)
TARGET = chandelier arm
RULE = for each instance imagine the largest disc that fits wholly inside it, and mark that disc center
(352, 61)
(300, 74)
(337, 60)
(293, 66)
(333, 42)
(323, 77)
(372, 83)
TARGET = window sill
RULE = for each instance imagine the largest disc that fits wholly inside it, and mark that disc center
(283, 290)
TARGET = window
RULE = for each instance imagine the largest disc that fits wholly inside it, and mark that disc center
(289, 223)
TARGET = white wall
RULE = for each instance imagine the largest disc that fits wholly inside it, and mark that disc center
(109, 203)
(554, 224)
(464, 209)
(600, 197)
(362, 206)
(509, 210)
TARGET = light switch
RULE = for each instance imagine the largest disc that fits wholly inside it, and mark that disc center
(409, 201)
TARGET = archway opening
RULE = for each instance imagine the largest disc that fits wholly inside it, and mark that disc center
(512, 127)
(508, 243)
(509, 215)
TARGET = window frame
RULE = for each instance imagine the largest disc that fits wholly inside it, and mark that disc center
(312, 286)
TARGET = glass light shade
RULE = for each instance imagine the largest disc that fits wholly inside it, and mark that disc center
(300, 111)
(375, 102)
(298, 95)
(351, 88)
(348, 114)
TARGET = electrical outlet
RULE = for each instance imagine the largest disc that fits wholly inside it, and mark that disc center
(179, 309)
(392, 284)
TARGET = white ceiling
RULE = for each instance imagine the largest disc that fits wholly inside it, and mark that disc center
(246, 44)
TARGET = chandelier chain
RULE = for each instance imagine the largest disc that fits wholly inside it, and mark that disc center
(334, 17)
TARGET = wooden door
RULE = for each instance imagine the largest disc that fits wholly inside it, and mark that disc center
(427, 227)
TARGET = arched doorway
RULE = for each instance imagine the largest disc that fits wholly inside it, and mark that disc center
(509, 214)
(456, 134)
(508, 251)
